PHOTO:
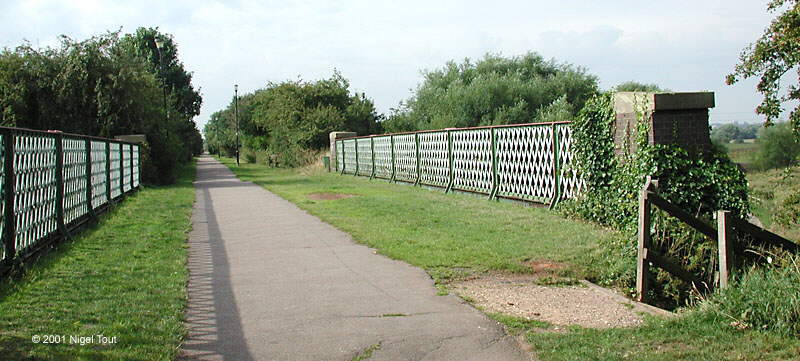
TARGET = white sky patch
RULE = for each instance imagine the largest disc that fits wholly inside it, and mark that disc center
(381, 46)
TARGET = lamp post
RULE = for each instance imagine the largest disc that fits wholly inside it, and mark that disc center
(236, 116)
(159, 45)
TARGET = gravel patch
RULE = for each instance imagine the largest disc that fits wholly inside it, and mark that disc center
(520, 296)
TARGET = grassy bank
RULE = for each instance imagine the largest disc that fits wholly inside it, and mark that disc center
(124, 277)
(768, 190)
(449, 235)
(452, 234)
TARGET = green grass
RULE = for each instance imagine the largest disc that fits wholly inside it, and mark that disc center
(693, 337)
(452, 234)
(124, 277)
(768, 190)
(742, 153)
(449, 235)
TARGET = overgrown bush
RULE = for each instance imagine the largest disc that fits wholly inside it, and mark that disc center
(491, 90)
(700, 182)
(106, 86)
(778, 147)
(764, 298)
(788, 213)
(290, 120)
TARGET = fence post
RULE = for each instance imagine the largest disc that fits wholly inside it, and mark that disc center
(495, 180)
(355, 147)
(108, 172)
(130, 148)
(372, 152)
(9, 221)
(642, 265)
(556, 168)
(344, 160)
(59, 142)
(391, 142)
(449, 161)
(416, 149)
(121, 170)
(724, 238)
(89, 207)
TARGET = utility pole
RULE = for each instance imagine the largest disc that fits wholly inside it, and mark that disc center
(236, 116)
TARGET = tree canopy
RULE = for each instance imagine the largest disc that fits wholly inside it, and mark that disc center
(287, 118)
(99, 86)
(776, 52)
(493, 90)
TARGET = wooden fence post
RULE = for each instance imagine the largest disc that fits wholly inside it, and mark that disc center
(724, 238)
(642, 265)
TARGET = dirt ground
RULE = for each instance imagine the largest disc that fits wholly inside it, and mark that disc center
(563, 304)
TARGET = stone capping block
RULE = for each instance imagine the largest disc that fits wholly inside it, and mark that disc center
(625, 102)
(132, 138)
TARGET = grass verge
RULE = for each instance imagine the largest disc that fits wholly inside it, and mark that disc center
(124, 277)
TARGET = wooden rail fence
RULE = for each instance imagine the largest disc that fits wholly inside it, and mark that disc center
(724, 235)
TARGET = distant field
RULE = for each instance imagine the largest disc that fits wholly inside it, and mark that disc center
(742, 153)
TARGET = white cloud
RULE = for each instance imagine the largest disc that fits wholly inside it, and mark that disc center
(381, 46)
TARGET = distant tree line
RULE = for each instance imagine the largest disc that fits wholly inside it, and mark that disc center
(105, 86)
(287, 121)
(734, 132)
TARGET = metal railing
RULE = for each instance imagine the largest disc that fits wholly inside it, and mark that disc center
(530, 162)
(53, 182)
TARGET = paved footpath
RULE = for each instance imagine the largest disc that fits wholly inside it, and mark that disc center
(269, 281)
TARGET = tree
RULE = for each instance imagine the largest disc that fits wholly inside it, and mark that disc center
(777, 147)
(493, 90)
(770, 57)
(99, 86)
(634, 86)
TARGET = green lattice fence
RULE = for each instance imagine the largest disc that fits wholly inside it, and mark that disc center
(54, 182)
(531, 162)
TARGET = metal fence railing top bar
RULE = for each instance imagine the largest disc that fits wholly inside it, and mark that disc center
(530, 162)
(52, 182)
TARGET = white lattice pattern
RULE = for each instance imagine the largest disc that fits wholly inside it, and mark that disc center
(99, 162)
(74, 173)
(364, 147)
(135, 166)
(434, 162)
(339, 156)
(383, 156)
(525, 162)
(405, 157)
(472, 160)
(349, 156)
(116, 187)
(571, 182)
(35, 188)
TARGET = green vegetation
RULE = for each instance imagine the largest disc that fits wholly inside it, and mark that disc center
(106, 86)
(449, 235)
(119, 279)
(493, 90)
(696, 336)
(517, 325)
(742, 153)
(366, 353)
(700, 181)
(725, 133)
(635, 86)
(777, 147)
(774, 194)
(286, 121)
(770, 57)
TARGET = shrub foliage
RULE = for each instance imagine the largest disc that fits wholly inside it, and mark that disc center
(106, 86)
(698, 181)
(290, 118)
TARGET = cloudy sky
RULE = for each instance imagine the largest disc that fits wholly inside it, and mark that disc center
(381, 46)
